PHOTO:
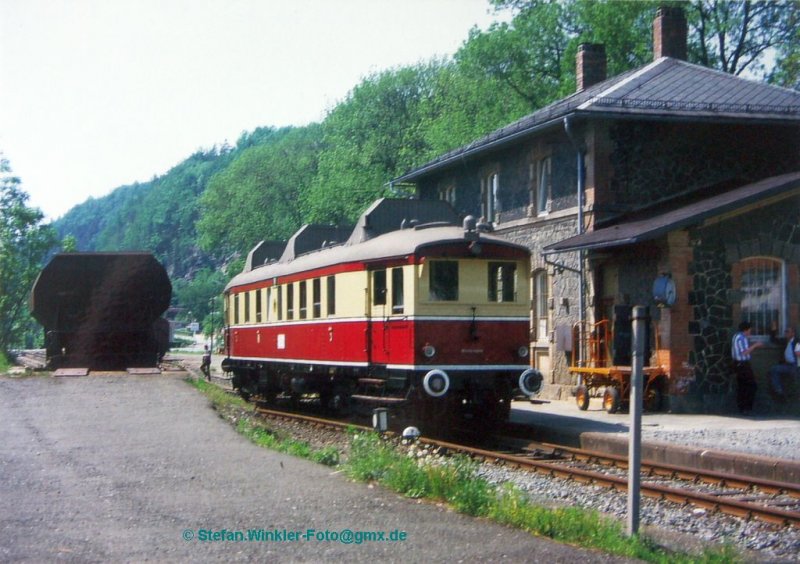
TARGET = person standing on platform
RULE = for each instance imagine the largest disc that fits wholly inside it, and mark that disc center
(741, 350)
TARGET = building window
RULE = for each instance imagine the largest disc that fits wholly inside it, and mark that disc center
(761, 285)
(541, 181)
(443, 283)
(398, 301)
(502, 281)
(541, 297)
(331, 291)
(490, 190)
(379, 287)
(448, 194)
(317, 297)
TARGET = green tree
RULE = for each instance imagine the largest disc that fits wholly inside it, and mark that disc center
(370, 137)
(258, 195)
(195, 295)
(69, 244)
(534, 53)
(24, 243)
(740, 36)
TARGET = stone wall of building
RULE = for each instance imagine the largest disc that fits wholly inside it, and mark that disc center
(771, 231)
(564, 292)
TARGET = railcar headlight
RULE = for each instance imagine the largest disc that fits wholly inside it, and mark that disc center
(530, 382)
(429, 350)
(436, 383)
(523, 351)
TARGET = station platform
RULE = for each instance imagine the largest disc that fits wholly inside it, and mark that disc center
(766, 446)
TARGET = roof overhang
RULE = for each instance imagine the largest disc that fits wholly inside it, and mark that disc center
(762, 192)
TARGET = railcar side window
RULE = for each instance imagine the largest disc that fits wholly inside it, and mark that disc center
(247, 307)
(502, 281)
(443, 281)
(331, 291)
(279, 309)
(379, 287)
(258, 306)
(236, 309)
(398, 301)
(317, 297)
(290, 301)
(303, 299)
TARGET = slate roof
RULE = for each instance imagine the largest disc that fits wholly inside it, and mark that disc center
(660, 223)
(666, 88)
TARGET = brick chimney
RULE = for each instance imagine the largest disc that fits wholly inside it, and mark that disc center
(669, 33)
(590, 63)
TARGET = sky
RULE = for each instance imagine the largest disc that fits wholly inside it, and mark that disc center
(96, 94)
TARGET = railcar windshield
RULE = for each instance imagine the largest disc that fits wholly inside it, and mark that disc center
(475, 281)
(443, 284)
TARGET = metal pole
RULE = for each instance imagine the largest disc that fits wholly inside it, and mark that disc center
(211, 347)
(635, 445)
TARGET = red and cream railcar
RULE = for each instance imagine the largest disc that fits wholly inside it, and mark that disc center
(433, 318)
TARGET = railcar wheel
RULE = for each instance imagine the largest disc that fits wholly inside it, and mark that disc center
(653, 398)
(582, 397)
(611, 400)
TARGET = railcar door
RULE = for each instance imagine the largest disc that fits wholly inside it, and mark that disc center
(389, 331)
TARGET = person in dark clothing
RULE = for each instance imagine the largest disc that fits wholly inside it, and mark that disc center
(741, 350)
(789, 367)
(205, 365)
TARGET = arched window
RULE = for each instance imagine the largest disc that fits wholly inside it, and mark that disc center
(761, 282)
(541, 297)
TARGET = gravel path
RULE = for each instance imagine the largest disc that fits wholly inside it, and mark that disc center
(126, 468)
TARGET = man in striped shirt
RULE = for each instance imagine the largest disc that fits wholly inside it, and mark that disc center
(741, 350)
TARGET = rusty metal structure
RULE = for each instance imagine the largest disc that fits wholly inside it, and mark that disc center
(102, 311)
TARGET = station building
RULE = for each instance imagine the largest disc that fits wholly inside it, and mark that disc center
(673, 186)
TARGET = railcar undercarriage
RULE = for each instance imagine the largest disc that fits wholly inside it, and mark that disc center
(433, 400)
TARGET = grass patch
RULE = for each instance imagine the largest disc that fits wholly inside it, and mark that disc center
(241, 413)
(456, 482)
(262, 436)
(220, 399)
(4, 364)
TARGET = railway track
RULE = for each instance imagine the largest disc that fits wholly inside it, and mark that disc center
(744, 497)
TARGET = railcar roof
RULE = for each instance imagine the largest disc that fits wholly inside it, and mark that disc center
(400, 243)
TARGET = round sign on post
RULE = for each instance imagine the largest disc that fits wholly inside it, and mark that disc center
(664, 292)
